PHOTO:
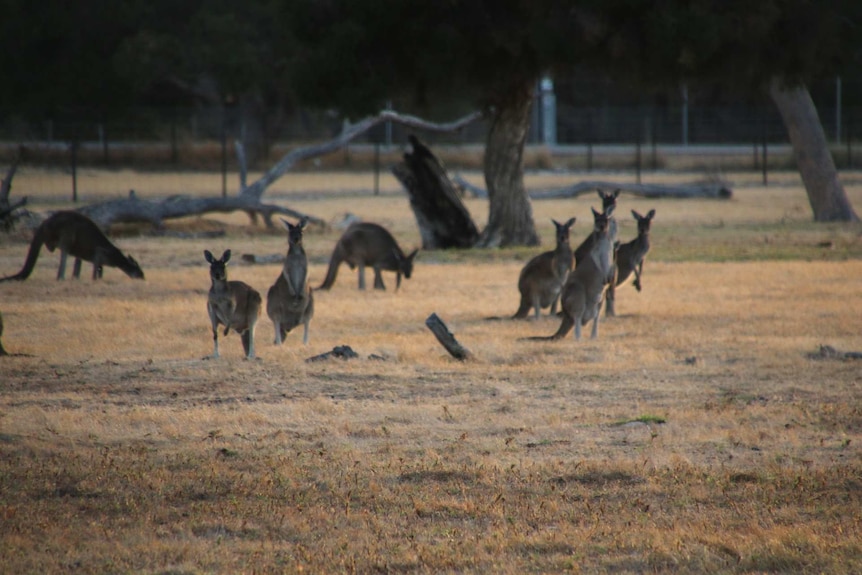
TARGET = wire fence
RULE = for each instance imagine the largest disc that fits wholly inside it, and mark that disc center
(585, 138)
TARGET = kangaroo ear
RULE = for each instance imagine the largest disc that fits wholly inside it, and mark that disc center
(208, 255)
(595, 213)
(651, 214)
(412, 254)
(616, 193)
(571, 222)
(636, 215)
(286, 223)
(226, 256)
(303, 222)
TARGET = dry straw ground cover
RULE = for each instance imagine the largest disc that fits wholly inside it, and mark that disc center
(695, 435)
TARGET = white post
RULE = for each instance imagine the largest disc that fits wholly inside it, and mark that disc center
(549, 112)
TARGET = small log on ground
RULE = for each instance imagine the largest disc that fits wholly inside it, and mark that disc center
(446, 339)
(829, 352)
(709, 190)
(339, 351)
(443, 220)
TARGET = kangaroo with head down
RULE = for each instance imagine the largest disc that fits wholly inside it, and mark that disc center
(76, 235)
(233, 304)
(367, 244)
(542, 278)
(289, 301)
(581, 297)
(630, 259)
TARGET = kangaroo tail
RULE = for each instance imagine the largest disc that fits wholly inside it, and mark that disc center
(332, 272)
(565, 327)
(32, 256)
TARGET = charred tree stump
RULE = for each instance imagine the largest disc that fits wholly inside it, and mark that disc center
(443, 220)
(446, 339)
(8, 211)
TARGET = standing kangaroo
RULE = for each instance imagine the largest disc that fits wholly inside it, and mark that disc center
(76, 235)
(233, 304)
(367, 244)
(543, 277)
(630, 258)
(289, 301)
(609, 202)
(581, 297)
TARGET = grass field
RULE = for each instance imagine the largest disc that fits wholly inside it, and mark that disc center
(696, 434)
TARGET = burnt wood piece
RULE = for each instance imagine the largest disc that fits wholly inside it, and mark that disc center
(446, 339)
(443, 220)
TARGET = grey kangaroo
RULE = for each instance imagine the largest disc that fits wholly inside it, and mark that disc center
(76, 235)
(543, 277)
(630, 259)
(609, 202)
(367, 244)
(289, 301)
(233, 304)
(582, 294)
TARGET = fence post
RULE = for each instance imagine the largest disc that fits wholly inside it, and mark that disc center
(224, 152)
(376, 168)
(74, 150)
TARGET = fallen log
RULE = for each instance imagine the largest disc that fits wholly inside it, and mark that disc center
(446, 339)
(709, 190)
(135, 210)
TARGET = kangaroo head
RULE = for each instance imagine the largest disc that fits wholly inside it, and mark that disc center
(609, 199)
(644, 221)
(133, 269)
(294, 232)
(405, 263)
(563, 230)
(218, 268)
(601, 220)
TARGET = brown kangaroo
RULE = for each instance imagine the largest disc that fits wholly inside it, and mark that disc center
(76, 235)
(630, 259)
(609, 202)
(543, 277)
(581, 297)
(233, 304)
(289, 301)
(367, 244)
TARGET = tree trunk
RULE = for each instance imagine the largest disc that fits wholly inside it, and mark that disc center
(813, 158)
(510, 217)
(443, 220)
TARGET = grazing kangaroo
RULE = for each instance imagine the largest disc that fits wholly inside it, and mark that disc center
(630, 258)
(289, 301)
(367, 244)
(76, 235)
(233, 304)
(543, 277)
(609, 202)
(581, 297)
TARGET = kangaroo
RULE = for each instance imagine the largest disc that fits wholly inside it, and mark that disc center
(543, 277)
(581, 297)
(630, 258)
(233, 304)
(363, 244)
(609, 202)
(76, 235)
(289, 301)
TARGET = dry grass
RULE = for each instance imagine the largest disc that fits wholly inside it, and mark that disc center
(695, 435)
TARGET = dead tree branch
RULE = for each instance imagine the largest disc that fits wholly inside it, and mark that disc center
(446, 339)
(715, 190)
